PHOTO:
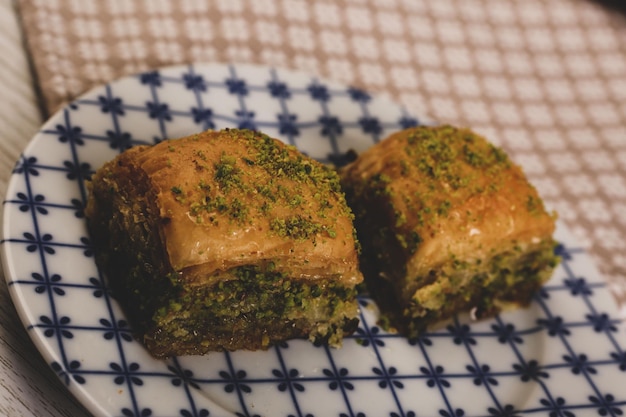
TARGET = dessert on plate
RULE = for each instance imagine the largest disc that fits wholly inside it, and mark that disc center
(448, 224)
(225, 240)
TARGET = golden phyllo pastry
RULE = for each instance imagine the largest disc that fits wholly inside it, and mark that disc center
(448, 224)
(225, 240)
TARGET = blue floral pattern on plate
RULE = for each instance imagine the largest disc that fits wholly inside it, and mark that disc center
(563, 356)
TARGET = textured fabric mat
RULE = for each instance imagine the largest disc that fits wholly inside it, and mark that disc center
(544, 79)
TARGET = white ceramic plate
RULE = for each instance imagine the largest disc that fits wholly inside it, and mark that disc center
(563, 356)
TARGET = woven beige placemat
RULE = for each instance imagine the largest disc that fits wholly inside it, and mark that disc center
(544, 79)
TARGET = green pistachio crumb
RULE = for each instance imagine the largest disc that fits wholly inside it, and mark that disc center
(296, 227)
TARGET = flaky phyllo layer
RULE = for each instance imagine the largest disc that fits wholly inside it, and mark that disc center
(448, 223)
(225, 240)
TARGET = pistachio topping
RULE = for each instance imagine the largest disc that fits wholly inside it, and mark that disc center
(300, 228)
(227, 174)
(258, 177)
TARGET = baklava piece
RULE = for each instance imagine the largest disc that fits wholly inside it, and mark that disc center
(448, 224)
(225, 240)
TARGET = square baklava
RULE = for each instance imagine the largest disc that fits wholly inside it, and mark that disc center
(225, 240)
(448, 224)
